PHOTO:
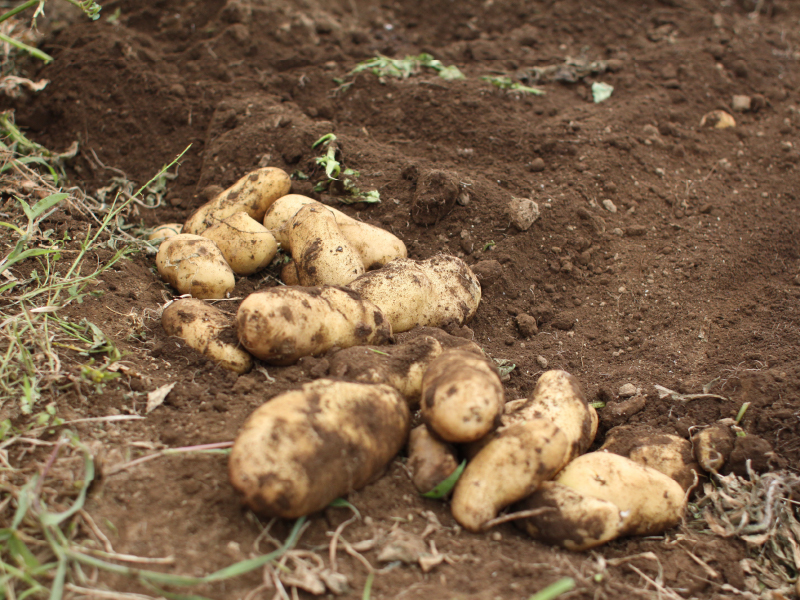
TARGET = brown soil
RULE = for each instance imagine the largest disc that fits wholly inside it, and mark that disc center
(694, 280)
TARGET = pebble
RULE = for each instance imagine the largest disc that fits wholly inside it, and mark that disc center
(541, 361)
(527, 325)
(741, 103)
(497, 536)
(551, 289)
(609, 206)
(523, 213)
(718, 119)
(618, 231)
(627, 390)
(467, 245)
(537, 165)
(636, 230)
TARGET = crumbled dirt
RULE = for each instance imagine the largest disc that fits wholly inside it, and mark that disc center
(688, 277)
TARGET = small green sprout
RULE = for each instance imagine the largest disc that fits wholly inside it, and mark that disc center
(506, 83)
(333, 170)
(403, 68)
(489, 245)
(554, 590)
(445, 487)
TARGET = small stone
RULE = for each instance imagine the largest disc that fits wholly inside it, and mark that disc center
(523, 213)
(497, 536)
(787, 146)
(527, 325)
(467, 245)
(796, 280)
(636, 230)
(567, 267)
(706, 209)
(563, 323)
(549, 288)
(627, 390)
(757, 102)
(718, 119)
(609, 206)
(536, 165)
(463, 198)
(618, 231)
(541, 361)
(741, 103)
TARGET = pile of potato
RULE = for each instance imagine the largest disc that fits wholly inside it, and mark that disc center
(350, 286)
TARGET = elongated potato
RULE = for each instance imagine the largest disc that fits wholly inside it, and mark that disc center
(253, 194)
(462, 396)
(321, 253)
(509, 468)
(165, 231)
(430, 460)
(194, 265)
(650, 501)
(305, 448)
(208, 330)
(375, 246)
(713, 446)
(430, 293)
(282, 324)
(245, 243)
(569, 519)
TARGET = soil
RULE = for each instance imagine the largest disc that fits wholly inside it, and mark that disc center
(688, 277)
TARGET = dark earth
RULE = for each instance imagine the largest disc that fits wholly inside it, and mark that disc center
(691, 280)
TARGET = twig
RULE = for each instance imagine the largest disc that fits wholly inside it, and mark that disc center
(218, 446)
(335, 540)
(522, 514)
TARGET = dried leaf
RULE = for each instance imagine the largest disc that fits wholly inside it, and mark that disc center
(156, 397)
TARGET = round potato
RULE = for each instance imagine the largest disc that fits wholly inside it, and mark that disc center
(430, 460)
(507, 469)
(462, 397)
(652, 501)
(321, 253)
(245, 243)
(165, 231)
(282, 324)
(712, 446)
(252, 194)
(194, 265)
(303, 449)
(208, 330)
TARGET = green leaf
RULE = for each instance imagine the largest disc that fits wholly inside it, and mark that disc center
(446, 486)
(451, 73)
(554, 590)
(601, 91)
(46, 204)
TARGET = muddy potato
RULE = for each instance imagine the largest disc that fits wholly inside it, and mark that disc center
(670, 454)
(508, 469)
(245, 243)
(430, 460)
(282, 324)
(165, 231)
(208, 330)
(462, 396)
(712, 446)
(305, 448)
(322, 255)
(652, 501)
(569, 519)
(289, 274)
(428, 293)
(194, 265)
(374, 245)
(252, 194)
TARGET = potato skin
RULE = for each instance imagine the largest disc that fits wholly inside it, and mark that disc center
(165, 231)
(282, 324)
(507, 469)
(430, 460)
(575, 521)
(303, 449)
(245, 243)
(194, 265)
(428, 293)
(253, 194)
(653, 501)
(208, 330)
(321, 253)
(712, 446)
(289, 274)
(462, 397)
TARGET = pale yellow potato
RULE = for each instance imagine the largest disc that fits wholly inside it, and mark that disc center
(303, 449)
(430, 460)
(462, 397)
(245, 243)
(208, 330)
(322, 255)
(508, 469)
(650, 501)
(253, 194)
(194, 265)
(375, 246)
(427, 293)
(571, 520)
(282, 324)
(165, 231)
(713, 446)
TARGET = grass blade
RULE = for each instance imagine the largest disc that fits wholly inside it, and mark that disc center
(446, 486)
(554, 590)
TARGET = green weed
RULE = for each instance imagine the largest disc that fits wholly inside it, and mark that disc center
(403, 68)
(506, 83)
(340, 177)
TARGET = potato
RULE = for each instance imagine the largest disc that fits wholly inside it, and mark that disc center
(375, 246)
(712, 446)
(245, 243)
(430, 460)
(282, 324)
(321, 253)
(670, 454)
(289, 273)
(208, 330)
(430, 293)
(652, 501)
(253, 194)
(401, 366)
(509, 468)
(574, 521)
(194, 265)
(303, 449)
(165, 231)
(462, 396)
